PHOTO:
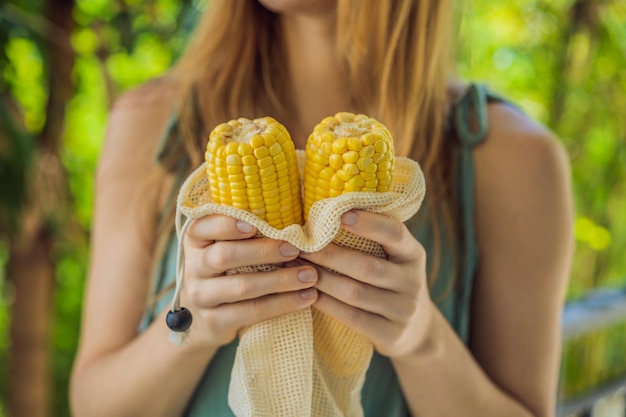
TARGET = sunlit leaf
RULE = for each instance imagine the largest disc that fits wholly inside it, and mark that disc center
(85, 41)
(27, 80)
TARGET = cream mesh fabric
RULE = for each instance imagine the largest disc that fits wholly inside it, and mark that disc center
(305, 363)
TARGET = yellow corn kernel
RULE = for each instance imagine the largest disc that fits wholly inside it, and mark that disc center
(279, 158)
(349, 157)
(347, 153)
(367, 151)
(250, 169)
(355, 144)
(364, 163)
(335, 161)
(378, 158)
(261, 152)
(236, 178)
(326, 174)
(336, 182)
(343, 175)
(351, 169)
(252, 165)
(269, 139)
(340, 145)
(234, 169)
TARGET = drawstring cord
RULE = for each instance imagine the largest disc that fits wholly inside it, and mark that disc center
(179, 319)
(181, 229)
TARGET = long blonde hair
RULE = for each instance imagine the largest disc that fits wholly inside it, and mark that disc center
(398, 55)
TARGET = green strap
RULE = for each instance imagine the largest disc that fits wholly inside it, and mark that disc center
(471, 109)
(471, 125)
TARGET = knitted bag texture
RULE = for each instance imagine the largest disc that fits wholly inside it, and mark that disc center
(305, 363)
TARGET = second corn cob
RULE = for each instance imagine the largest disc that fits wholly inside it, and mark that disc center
(347, 153)
(252, 165)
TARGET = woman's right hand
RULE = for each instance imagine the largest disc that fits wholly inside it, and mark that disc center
(222, 304)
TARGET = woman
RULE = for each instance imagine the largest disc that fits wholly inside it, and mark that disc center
(465, 313)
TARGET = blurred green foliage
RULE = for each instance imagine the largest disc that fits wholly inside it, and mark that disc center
(561, 61)
(593, 359)
(564, 63)
(117, 45)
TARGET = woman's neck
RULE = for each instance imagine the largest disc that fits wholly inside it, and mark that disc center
(318, 87)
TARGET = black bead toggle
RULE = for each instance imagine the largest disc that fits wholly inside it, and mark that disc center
(179, 320)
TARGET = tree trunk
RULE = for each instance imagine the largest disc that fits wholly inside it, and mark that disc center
(44, 218)
(31, 272)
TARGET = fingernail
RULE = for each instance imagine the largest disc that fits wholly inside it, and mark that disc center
(349, 218)
(306, 275)
(244, 227)
(308, 293)
(287, 249)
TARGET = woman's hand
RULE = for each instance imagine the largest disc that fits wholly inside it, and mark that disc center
(223, 304)
(385, 300)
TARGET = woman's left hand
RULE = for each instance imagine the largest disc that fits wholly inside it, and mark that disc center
(386, 300)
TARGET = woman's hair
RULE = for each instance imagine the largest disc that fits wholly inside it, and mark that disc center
(398, 56)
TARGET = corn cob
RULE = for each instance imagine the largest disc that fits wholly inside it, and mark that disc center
(252, 165)
(347, 153)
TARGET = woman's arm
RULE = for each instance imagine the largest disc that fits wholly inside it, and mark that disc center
(524, 232)
(523, 223)
(524, 219)
(117, 371)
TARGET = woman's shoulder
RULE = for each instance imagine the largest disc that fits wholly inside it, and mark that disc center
(147, 107)
(523, 184)
(515, 140)
(158, 94)
(128, 174)
(137, 121)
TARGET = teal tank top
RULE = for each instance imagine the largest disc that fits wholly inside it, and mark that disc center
(381, 394)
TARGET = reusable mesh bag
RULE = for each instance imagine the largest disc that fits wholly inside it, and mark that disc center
(305, 363)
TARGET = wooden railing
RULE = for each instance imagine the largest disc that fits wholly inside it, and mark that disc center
(600, 309)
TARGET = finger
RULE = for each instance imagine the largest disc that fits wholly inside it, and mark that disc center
(212, 292)
(222, 256)
(373, 326)
(358, 265)
(384, 303)
(207, 229)
(246, 313)
(398, 242)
